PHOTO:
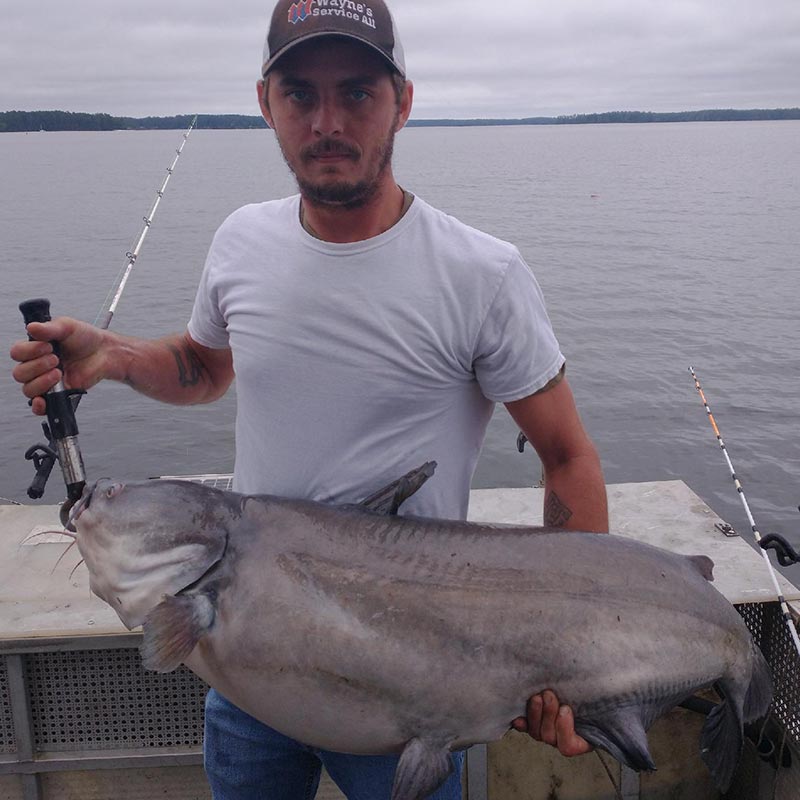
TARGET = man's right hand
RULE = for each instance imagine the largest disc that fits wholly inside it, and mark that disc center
(82, 357)
(173, 369)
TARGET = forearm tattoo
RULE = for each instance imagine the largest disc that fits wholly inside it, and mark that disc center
(190, 367)
(556, 513)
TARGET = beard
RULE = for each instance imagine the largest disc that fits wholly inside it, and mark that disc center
(344, 194)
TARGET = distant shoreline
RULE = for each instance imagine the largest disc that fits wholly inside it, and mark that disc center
(32, 121)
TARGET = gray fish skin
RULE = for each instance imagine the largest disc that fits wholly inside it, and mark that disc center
(363, 633)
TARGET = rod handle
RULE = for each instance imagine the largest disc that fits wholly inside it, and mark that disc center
(38, 310)
(35, 310)
(63, 429)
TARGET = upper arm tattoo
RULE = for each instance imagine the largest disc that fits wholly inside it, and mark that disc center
(556, 513)
(191, 369)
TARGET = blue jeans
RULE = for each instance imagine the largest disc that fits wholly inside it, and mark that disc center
(247, 760)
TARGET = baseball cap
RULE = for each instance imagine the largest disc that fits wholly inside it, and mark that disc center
(366, 21)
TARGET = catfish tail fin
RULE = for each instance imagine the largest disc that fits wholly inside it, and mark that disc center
(722, 738)
(721, 742)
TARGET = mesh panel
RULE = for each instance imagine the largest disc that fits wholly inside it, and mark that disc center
(104, 699)
(7, 742)
(769, 631)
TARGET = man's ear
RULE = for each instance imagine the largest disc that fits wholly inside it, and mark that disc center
(406, 101)
(262, 87)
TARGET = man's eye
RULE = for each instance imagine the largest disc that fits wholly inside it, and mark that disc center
(299, 95)
(358, 94)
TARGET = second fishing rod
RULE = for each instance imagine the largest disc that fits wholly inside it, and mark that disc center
(764, 543)
(61, 428)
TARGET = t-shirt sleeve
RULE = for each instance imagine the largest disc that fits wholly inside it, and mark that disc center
(516, 352)
(207, 325)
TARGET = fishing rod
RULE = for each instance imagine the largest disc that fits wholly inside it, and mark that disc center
(134, 254)
(765, 543)
(61, 428)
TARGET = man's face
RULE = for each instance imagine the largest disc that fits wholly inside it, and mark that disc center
(333, 107)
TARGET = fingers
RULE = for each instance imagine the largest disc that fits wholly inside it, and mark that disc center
(548, 721)
(39, 406)
(57, 329)
(567, 741)
(545, 713)
(520, 724)
(26, 350)
(542, 709)
(37, 368)
(37, 375)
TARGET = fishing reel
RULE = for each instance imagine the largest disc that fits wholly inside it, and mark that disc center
(44, 456)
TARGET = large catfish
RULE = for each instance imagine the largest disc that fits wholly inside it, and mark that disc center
(352, 629)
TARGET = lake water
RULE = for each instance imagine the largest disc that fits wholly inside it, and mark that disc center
(657, 246)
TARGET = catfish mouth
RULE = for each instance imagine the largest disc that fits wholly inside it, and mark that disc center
(138, 548)
(80, 507)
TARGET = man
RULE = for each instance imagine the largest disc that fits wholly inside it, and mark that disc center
(367, 331)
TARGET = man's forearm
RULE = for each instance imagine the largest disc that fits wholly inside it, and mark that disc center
(575, 496)
(169, 369)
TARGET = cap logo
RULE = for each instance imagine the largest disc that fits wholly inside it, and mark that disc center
(299, 11)
(302, 10)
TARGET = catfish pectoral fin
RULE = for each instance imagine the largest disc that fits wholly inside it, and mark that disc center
(621, 733)
(173, 628)
(423, 767)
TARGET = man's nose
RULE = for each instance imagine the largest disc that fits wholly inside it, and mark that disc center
(328, 118)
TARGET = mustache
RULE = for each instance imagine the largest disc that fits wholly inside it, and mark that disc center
(329, 147)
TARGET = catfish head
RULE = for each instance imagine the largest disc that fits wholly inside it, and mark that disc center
(141, 541)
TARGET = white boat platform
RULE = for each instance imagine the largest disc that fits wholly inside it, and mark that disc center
(80, 717)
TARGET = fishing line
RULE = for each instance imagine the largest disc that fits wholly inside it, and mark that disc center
(778, 593)
(617, 791)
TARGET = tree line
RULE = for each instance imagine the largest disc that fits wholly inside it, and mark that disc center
(707, 115)
(29, 121)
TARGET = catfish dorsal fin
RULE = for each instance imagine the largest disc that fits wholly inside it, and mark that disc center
(704, 565)
(173, 628)
(388, 499)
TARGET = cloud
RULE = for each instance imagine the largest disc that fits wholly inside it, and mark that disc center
(468, 59)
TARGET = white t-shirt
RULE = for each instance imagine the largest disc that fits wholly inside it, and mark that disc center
(357, 362)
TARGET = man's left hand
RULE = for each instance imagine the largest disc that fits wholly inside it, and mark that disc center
(550, 722)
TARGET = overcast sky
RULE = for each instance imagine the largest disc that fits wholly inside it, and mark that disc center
(473, 58)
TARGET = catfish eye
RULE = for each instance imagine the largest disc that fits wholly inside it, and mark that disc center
(113, 490)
